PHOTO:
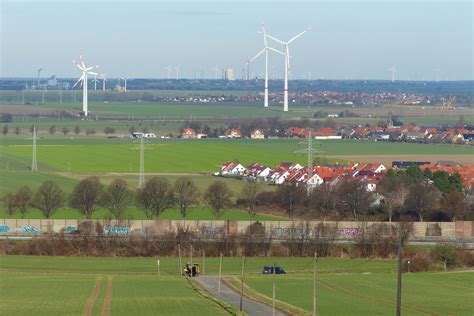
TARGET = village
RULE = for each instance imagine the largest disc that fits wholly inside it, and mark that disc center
(333, 174)
(458, 134)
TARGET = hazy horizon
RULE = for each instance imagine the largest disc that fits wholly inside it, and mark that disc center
(349, 40)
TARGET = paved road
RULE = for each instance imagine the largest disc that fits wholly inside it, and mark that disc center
(210, 283)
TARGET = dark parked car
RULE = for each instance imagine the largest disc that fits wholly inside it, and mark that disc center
(269, 270)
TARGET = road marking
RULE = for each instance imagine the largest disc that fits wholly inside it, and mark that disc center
(108, 298)
(92, 298)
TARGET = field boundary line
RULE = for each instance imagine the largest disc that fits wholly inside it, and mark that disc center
(205, 293)
(108, 298)
(93, 297)
(256, 296)
(407, 306)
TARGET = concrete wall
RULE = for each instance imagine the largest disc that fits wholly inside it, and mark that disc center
(436, 231)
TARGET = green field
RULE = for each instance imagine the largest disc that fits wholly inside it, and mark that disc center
(53, 285)
(84, 155)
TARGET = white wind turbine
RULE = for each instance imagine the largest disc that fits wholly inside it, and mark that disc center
(287, 63)
(104, 79)
(95, 82)
(83, 80)
(265, 50)
(177, 71)
(125, 84)
(393, 70)
(169, 71)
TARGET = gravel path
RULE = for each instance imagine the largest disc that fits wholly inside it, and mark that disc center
(210, 283)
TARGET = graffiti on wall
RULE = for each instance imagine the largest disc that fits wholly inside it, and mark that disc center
(346, 231)
(4, 228)
(29, 229)
(118, 230)
(289, 231)
(212, 230)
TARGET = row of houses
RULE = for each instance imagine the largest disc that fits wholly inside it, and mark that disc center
(315, 175)
(369, 173)
(405, 133)
(229, 133)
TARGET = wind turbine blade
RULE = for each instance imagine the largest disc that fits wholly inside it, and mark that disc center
(80, 67)
(258, 55)
(275, 39)
(298, 35)
(275, 50)
(79, 80)
(264, 35)
(92, 73)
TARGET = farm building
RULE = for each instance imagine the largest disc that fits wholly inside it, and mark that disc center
(188, 133)
(257, 134)
(233, 133)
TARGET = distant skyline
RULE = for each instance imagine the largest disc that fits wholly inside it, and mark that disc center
(139, 39)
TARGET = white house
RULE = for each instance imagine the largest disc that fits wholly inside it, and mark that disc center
(232, 169)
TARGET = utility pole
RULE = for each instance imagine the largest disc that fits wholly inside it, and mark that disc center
(399, 271)
(219, 278)
(273, 292)
(242, 284)
(141, 179)
(203, 262)
(34, 164)
(38, 83)
(180, 263)
(314, 283)
(310, 154)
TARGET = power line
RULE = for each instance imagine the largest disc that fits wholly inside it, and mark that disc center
(34, 164)
(141, 179)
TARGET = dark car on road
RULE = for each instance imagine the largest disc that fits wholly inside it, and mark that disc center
(269, 270)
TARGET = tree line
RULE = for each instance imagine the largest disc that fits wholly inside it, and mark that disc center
(53, 129)
(411, 194)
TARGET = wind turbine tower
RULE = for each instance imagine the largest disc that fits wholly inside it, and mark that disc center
(95, 82)
(83, 80)
(125, 84)
(265, 50)
(177, 71)
(141, 178)
(34, 164)
(38, 82)
(104, 79)
(393, 70)
(287, 63)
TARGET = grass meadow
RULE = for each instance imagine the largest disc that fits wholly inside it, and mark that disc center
(55, 285)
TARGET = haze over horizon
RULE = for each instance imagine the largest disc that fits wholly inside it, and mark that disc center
(348, 40)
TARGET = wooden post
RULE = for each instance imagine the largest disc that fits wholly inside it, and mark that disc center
(273, 297)
(399, 272)
(180, 263)
(203, 262)
(314, 284)
(242, 284)
(219, 278)
(191, 263)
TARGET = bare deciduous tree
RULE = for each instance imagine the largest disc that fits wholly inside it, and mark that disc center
(394, 190)
(289, 197)
(65, 130)
(422, 197)
(52, 129)
(9, 203)
(48, 198)
(217, 197)
(85, 196)
(322, 199)
(116, 198)
(17, 130)
(77, 130)
(186, 193)
(23, 199)
(249, 194)
(353, 196)
(453, 203)
(155, 196)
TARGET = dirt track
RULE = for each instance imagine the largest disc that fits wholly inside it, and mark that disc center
(210, 283)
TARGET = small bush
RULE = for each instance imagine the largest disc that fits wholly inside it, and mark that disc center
(446, 255)
(419, 262)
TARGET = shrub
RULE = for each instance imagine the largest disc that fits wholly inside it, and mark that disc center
(445, 254)
(419, 262)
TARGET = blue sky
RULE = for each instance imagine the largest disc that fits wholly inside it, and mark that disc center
(348, 40)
